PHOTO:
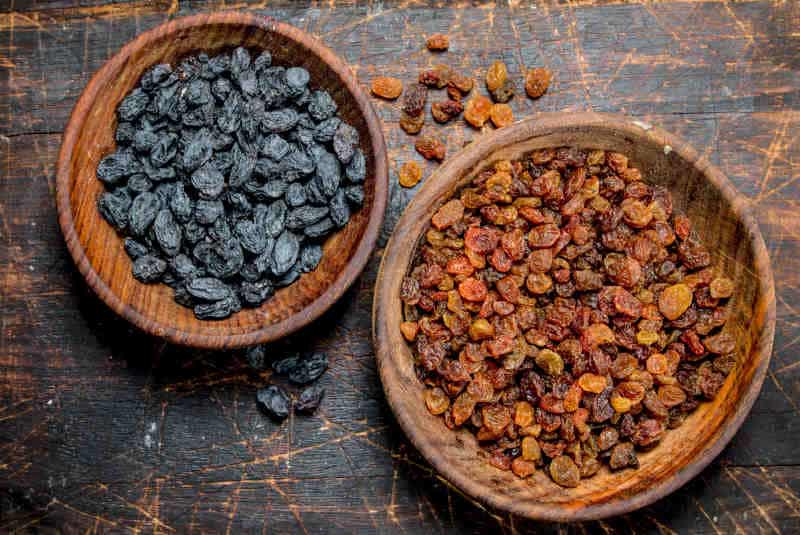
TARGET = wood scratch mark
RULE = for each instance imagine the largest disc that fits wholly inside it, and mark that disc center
(785, 394)
(750, 497)
(705, 514)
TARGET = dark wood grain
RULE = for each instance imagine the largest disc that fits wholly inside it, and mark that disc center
(80, 390)
(723, 220)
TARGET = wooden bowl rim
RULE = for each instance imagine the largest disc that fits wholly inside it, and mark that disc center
(384, 337)
(343, 280)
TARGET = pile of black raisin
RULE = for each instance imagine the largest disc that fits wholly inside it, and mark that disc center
(229, 173)
(302, 370)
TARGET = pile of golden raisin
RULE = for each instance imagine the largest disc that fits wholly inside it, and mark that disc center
(559, 310)
(477, 111)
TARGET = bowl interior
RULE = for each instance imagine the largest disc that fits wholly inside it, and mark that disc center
(152, 306)
(737, 251)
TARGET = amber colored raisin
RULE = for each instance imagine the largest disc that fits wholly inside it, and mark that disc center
(572, 398)
(617, 161)
(436, 400)
(657, 364)
(597, 334)
(508, 289)
(478, 110)
(538, 283)
(411, 124)
(590, 382)
(436, 77)
(446, 110)
(496, 76)
(625, 303)
(472, 289)
(448, 214)
(481, 240)
(437, 42)
(386, 87)
(682, 226)
(721, 344)
(564, 471)
(431, 148)
(410, 174)
(674, 300)
(721, 288)
(537, 80)
(543, 236)
(523, 468)
(540, 260)
(671, 395)
(623, 455)
(462, 408)
(501, 115)
(462, 84)
(523, 414)
(409, 330)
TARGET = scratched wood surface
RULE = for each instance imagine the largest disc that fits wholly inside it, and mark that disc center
(105, 430)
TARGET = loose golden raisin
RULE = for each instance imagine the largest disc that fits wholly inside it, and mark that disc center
(671, 395)
(530, 449)
(480, 329)
(657, 364)
(496, 76)
(437, 42)
(410, 174)
(446, 110)
(537, 80)
(522, 468)
(538, 283)
(501, 115)
(431, 148)
(386, 87)
(472, 289)
(478, 110)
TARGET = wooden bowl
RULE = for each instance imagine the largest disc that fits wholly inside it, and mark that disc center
(97, 249)
(722, 218)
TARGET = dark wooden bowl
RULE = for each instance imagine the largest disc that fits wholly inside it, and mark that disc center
(724, 221)
(89, 136)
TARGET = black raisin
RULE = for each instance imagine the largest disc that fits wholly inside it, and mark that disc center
(309, 399)
(309, 369)
(149, 268)
(274, 402)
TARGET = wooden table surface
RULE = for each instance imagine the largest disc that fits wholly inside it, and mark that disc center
(105, 430)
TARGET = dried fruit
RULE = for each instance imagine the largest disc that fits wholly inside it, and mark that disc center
(537, 80)
(501, 115)
(274, 402)
(478, 111)
(411, 124)
(386, 87)
(565, 328)
(436, 400)
(437, 77)
(430, 148)
(410, 174)
(208, 158)
(674, 301)
(309, 399)
(446, 110)
(564, 471)
(414, 100)
(437, 42)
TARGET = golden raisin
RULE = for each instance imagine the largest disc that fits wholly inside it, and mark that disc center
(522, 468)
(523, 413)
(478, 110)
(538, 283)
(473, 289)
(530, 449)
(480, 329)
(657, 364)
(496, 76)
(410, 174)
(462, 408)
(590, 382)
(448, 214)
(436, 400)
(721, 288)
(387, 87)
(411, 124)
(671, 395)
(437, 42)
(409, 330)
(550, 361)
(501, 115)
(646, 338)
(537, 81)
(674, 301)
